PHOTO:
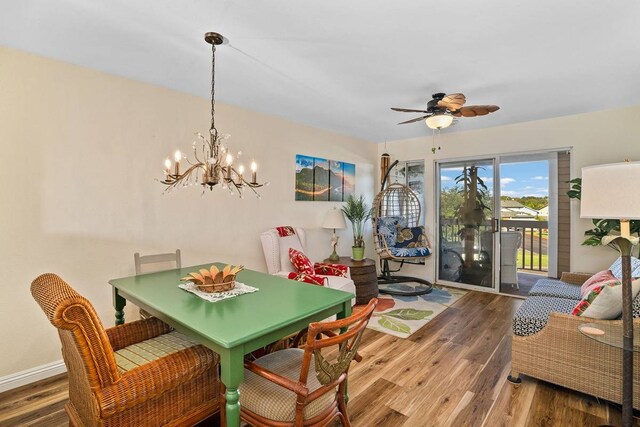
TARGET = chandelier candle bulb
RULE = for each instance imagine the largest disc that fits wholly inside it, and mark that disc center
(167, 167)
(177, 157)
(254, 173)
(240, 172)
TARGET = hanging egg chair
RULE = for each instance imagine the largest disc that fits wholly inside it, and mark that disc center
(398, 236)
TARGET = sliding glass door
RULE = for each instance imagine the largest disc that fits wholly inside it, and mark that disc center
(467, 228)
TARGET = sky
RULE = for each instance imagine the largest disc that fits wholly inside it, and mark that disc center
(516, 179)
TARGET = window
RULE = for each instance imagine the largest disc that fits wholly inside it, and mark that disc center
(411, 174)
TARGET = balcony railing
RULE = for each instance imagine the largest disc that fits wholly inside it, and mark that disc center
(532, 253)
(533, 249)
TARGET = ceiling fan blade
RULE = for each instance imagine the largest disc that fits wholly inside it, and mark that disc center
(414, 120)
(453, 101)
(477, 110)
(406, 110)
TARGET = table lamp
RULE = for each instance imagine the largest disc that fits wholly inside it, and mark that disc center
(334, 220)
(607, 192)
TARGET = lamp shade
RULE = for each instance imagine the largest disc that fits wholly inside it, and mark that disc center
(439, 121)
(334, 219)
(608, 191)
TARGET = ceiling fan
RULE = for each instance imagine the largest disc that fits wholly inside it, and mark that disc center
(443, 108)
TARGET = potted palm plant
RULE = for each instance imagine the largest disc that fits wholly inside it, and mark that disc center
(357, 211)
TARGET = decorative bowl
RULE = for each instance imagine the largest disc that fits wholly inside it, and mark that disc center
(213, 279)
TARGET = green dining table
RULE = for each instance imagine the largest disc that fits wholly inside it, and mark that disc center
(236, 326)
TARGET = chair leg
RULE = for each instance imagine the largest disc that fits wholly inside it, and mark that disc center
(342, 407)
(344, 419)
(515, 381)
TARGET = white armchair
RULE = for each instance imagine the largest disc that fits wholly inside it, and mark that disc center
(509, 244)
(276, 256)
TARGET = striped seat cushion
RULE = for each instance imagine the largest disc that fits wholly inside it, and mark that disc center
(556, 289)
(149, 350)
(534, 312)
(269, 400)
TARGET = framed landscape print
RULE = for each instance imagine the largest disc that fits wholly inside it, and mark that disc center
(319, 179)
(349, 177)
(304, 177)
(335, 180)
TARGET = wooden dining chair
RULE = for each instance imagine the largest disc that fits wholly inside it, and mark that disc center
(141, 373)
(305, 386)
(171, 257)
(158, 262)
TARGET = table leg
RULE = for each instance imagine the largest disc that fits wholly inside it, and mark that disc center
(232, 374)
(346, 312)
(118, 303)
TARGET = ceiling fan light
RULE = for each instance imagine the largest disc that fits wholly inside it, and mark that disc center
(439, 121)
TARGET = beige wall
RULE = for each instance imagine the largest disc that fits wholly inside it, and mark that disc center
(601, 137)
(80, 154)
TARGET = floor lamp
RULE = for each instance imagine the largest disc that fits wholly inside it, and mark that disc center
(608, 192)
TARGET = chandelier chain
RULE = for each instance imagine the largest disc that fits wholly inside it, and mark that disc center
(213, 91)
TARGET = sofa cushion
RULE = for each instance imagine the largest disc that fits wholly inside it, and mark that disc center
(605, 300)
(300, 262)
(555, 289)
(534, 312)
(308, 278)
(329, 269)
(286, 243)
(596, 280)
(410, 252)
(636, 307)
(270, 400)
(387, 227)
(616, 267)
(147, 351)
(410, 237)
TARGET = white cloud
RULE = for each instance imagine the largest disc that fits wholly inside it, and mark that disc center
(446, 178)
(540, 178)
(506, 181)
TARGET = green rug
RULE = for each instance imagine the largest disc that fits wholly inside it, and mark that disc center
(401, 316)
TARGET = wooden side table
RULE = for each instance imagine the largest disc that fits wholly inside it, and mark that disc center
(364, 276)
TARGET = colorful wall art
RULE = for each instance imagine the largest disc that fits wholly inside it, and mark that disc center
(320, 179)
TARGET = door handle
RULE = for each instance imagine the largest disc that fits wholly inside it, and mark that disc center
(496, 225)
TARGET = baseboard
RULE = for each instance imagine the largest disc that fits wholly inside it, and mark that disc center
(31, 375)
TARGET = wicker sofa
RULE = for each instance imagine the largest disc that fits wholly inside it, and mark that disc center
(547, 345)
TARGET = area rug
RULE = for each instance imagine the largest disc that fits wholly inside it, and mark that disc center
(401, 316)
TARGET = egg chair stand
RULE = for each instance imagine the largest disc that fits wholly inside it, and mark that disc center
(397, 205)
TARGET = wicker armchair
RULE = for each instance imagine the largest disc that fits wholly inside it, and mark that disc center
(278, 391)
(562, 355)
(114, 379)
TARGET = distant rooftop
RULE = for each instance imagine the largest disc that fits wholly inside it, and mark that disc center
(511, 204)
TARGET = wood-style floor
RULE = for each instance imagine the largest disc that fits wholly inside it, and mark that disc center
(452, 372)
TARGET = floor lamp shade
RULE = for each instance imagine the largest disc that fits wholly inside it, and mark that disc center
(608, 191)
(334, 219)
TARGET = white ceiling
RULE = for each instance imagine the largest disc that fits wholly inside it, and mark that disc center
(340, 65)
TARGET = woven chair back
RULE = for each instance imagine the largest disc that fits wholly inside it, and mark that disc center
(81, 331)
(397, 200)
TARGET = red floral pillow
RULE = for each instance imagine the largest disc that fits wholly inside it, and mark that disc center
(285, 230)
(327, 269)
(307, 278)
(300, 262)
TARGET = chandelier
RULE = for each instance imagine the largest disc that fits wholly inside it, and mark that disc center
(212, 162)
